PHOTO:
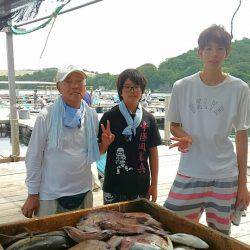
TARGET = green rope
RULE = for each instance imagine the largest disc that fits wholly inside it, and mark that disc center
(20, 31)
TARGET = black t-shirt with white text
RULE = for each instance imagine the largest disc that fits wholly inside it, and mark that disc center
(127, 169)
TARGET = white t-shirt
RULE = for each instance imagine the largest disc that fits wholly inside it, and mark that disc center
(208, 114)
(58, 173)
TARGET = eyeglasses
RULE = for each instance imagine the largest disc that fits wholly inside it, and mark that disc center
(135, 88)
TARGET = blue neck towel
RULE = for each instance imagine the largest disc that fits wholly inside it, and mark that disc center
(132, 123)
(72, 117)
(56, 123)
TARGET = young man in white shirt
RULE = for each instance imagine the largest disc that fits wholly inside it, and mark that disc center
(203, 110)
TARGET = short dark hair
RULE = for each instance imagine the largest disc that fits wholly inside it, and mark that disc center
(216, 34)
(133, 75)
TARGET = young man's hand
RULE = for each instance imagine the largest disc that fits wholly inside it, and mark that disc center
(31, 205)
(182, 143)
(152, 193)
(243, 197)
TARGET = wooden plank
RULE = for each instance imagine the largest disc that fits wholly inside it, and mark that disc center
(176, 223)
(11, 211)
(12, 159)
(13, 198)
(13, 191)
(13, 218)
(10, 205)
(244, 238)
(239, 231)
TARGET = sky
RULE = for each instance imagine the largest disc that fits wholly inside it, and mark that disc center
(113, 35)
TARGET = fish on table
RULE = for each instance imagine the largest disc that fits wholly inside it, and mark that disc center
(92, 245)
(78, 236)
(56, 240)
(188, 240)
(109, 230)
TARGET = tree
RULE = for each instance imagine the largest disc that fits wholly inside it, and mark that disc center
(169, 71)
(150, 71)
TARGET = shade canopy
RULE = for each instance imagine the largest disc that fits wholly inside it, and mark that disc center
(18, 10)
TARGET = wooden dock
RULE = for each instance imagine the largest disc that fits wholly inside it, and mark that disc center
(13, 191)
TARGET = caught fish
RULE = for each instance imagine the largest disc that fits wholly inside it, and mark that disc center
(115, 241)
(92, 245)
(160, 232)
(126, 228)
(183, 248)
(145, 241)
(122, 228)
(86, 228)
(92, 220)
(189, 240)
(57, 240)
(11, 239)
(144, 246)
(78, 236)
(127, 243)
(143, 218)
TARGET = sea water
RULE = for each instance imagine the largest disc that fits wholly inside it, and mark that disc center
(6, 148)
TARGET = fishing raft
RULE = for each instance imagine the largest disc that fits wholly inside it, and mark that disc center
(171, 222)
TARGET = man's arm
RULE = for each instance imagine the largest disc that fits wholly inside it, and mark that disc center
(33, 162)
(177, 130)
(154, 165)
(31, 205)
(241, 141)
(184, 140)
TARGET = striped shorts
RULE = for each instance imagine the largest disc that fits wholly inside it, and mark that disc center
(190, 196)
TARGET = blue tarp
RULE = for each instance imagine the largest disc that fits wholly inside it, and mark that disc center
(101, 165)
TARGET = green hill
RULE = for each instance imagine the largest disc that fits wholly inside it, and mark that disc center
(172, 69)
(163, 77)
(18, 72)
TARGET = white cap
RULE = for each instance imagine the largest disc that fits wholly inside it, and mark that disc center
(62, 74)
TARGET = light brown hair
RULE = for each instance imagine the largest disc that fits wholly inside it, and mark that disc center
(216, 34)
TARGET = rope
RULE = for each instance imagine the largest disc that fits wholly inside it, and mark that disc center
(233, 18)
(20, 31)
(46, 41)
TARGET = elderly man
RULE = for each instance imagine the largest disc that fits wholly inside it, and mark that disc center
(61, 149)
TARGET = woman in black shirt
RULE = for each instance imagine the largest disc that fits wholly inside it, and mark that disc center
(128, 174)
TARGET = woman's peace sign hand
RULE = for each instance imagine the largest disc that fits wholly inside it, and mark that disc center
(107, 136)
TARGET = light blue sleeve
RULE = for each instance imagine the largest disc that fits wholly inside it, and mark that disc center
(34, 155)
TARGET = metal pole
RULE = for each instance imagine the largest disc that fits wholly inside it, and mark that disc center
(12, 94)
(62, 12)
(166, 122)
